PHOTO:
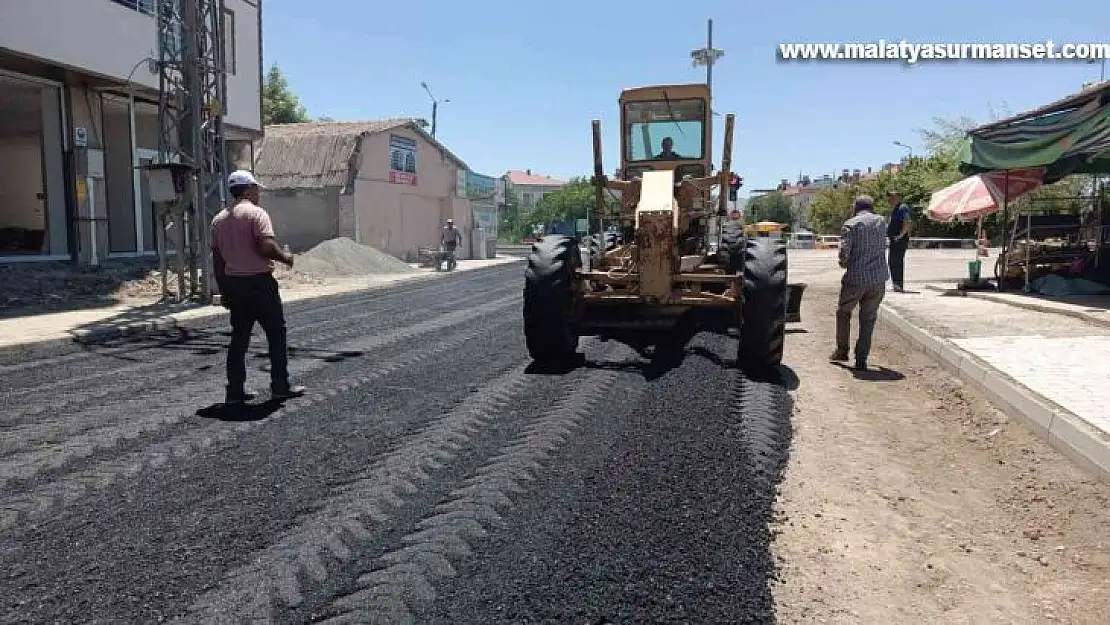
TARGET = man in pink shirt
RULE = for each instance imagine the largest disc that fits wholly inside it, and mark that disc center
(244, 250)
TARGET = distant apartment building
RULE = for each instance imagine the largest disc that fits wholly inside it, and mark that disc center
(529, 187)
(805, 189)
(80, 77)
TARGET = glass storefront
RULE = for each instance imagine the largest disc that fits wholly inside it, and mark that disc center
(32, 172)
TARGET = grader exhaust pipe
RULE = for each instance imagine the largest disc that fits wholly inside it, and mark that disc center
(599, 178)
(726, 167)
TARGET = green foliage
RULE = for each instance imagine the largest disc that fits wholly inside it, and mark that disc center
(279, 104)
(576, 200)
(772, 206)
(325, 118)
(920, 176)
(514, 223)
(830, 208)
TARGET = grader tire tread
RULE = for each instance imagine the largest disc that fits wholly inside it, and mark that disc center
(763, 329)
(550, 329)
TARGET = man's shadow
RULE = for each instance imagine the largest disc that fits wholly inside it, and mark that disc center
(872, 374)
(241, 413)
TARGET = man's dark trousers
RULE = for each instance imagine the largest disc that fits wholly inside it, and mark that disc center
(250, 299)
(897, 260)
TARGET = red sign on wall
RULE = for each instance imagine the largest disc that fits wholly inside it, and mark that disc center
(402, 177)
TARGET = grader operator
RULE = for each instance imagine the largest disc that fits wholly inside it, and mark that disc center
(676, 251)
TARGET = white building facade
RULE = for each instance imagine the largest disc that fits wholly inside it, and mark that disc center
(79, 113)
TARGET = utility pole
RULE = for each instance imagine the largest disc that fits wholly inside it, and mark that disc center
(707, 56)
(191, 104)
(435, 106)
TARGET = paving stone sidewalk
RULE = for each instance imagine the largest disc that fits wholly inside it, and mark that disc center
(1053, 365)
(28, 334)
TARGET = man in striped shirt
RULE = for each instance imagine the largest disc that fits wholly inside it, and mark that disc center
(863, 258)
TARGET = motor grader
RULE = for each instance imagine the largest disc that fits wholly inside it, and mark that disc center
(676, 250)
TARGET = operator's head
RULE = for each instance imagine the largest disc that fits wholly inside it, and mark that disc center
(450, 223)
(668, 145)
(893, 198)
(864, 203)
(244, 186)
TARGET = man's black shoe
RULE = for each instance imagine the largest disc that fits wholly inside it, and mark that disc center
(288, 392)
(238, 398)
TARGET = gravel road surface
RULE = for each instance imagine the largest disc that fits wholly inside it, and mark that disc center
(429, 475)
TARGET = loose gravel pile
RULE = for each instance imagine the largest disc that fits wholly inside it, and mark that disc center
(344, 257)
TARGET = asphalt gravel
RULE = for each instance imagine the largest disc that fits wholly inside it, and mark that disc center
(430, 475)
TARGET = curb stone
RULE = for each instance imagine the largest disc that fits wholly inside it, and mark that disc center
(197, 316)
(1063, 430)
(1027, 305)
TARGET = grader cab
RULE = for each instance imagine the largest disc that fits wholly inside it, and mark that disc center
(671, 250)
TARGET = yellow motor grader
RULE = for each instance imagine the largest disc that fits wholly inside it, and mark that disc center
(675, 252)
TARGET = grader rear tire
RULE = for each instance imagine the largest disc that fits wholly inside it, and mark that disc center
(763, 325)
(550, 325)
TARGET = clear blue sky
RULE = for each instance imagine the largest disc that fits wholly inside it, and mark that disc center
(525, 79)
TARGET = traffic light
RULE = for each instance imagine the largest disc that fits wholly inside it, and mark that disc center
(733, 187)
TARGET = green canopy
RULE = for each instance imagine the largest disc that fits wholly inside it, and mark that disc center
(1070, 136)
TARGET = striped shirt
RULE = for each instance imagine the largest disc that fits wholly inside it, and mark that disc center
(863, 250)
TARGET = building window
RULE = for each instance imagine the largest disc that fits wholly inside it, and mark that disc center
(527, 199)
(228, 28)
(142, 6)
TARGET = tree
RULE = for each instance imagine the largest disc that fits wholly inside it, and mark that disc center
(279, 104)
(575, 200)
(325, 118)
(830, 208)
(772, 206)
(513, 222)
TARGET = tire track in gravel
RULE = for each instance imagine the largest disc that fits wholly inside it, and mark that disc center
(142, 550)
(301, 337)
(296, 311)
(182, 367)
(764, 410)
(653, 516)
(274, 575)
(327, 541)
(47, 498)
(404, 583)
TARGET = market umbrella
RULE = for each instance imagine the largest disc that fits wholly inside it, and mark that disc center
(980, 195)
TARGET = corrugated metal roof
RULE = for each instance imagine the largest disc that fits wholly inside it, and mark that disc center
(319, 154)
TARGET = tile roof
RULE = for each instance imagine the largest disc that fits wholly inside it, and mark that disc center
(313, 155)
(528, 178)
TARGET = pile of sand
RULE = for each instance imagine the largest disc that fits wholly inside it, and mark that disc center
(344, 257)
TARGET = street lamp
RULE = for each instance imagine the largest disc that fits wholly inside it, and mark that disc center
(903, 145)
(707, 56)
(435, 106)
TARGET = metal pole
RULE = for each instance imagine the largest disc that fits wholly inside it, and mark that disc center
(709, 64)
(435, 111)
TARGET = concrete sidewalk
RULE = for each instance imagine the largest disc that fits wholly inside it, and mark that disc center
(35, 335)
(1044, 363)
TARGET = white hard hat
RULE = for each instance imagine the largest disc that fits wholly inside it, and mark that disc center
(243, 178)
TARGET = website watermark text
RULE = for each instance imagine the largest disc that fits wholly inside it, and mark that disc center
(908, 52)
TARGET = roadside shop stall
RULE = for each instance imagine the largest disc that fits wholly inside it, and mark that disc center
(1064, 138)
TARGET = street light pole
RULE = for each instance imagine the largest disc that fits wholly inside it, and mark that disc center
(903, 145)
(435, 106)
(707, 56)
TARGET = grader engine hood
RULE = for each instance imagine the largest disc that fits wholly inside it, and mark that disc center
(656, 225)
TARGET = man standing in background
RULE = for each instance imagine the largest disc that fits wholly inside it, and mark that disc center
(864, 283)
(244, 250)
(899, 234)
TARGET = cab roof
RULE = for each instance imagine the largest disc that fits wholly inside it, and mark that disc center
(653, 92)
